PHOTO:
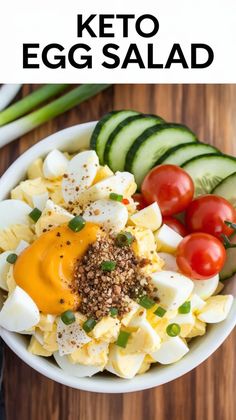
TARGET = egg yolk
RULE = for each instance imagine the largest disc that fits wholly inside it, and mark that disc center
(45, 269)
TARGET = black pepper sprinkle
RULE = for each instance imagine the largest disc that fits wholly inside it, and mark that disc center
(62, 301)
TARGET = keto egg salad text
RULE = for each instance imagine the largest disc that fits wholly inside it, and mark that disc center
(93, 280)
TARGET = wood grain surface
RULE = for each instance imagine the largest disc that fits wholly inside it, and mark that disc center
(208, 392)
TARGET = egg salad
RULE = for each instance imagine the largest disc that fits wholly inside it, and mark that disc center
(90, 278)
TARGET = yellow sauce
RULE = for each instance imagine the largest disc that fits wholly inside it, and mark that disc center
(45, 269)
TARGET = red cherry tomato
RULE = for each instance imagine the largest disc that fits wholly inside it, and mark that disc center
(170, 186)
(175, 225)
(200, 256)
(139, 198)
(208, 214)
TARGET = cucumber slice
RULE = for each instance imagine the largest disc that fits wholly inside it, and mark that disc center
(124, 135)
(207, 171)
(229, 268)
(152, 144)
(227, 189)
(180, 154)
(104, 128)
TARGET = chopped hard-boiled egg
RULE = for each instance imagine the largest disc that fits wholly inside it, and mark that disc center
(122, 363)
(107, 329)
(52, 216)
(173, 289)
(79, 370)
(171, 350)
(196, 303)
(216, 309)
(40, 200)
(205, 288)
(149, 217)
(70, 337)
(35, 170)
(102, 173)
(26, 190)
(35, 347)
(145, 339)
(14, 212)
(167, 239)
(19, 311)
(112, 215)
(80, 174)
(11, 236)
(198, 329)
(55, 164)
(46, 322)
(169, 261)
(4, 269)
(186, 323)
(94, 353)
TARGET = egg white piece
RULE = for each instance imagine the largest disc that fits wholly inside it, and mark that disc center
(80, 174)
(169, 260)
(167, 239)
(216, 309)
(124, 364)
(173, 289)
(19, 311)
(150, 217)
(145, 338)
(14, 212)
(112, 215)
(69, 337)
(81, 371)
(21, 247)
(196, 303)
(171, 350)
(4, 268)
(185, 321)
(40, 200)
(205, 288)
(55, 164)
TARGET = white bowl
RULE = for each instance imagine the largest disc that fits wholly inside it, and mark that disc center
(73, 139)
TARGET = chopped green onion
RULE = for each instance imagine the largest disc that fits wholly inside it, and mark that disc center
(146, 302)
(29, 102)
(35, 214)
(11, 259)
(108, 265)
(68, 317)
(16, 129)
(113, 312)
(124, 239)
(122, 339)
(116, 197)
(77, 223)
(185, 308)
(230, 224)
(227, 243)
(173, 330)
(160, 312)
(89, 325)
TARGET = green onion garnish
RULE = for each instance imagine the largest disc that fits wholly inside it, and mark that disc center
(77, 223)
(160, 312)
(185, 308)
(124, 239)
(173, 330)
(35, 214)
(146, 302)
(11, 259)
(108, 265)
(113, 312)
(116, 197)
(68, 317)
(89, 325)
(122, 339)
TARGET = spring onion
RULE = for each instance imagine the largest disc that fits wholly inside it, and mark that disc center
(15, 129)
(116, 197)
(113, 312)
(185, 308)
(7, 94)
(122, 339)
(29, 102)
(89, 325)
(11, 259)
(173, 330)
(146, 302)
(108, 265)
(35, 214)
(160, 312)
(68, 317)
(77, 223)
(124, 239)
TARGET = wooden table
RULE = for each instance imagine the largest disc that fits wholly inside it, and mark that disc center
(208, 392)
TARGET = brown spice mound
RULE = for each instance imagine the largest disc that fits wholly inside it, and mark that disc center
(102, 290)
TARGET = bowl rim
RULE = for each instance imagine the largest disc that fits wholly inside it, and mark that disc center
(100, 384)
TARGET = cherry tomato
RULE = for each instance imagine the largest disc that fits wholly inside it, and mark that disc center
(139, 198)
(200, 256)
(175, 225)
(170, 186)
(208, 214)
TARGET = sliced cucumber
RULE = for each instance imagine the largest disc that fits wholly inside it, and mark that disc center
(207, 171)
(229, 268)
(104, 128)
(227, 189)
(152, 144)
(123, 136)
(180, 154)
